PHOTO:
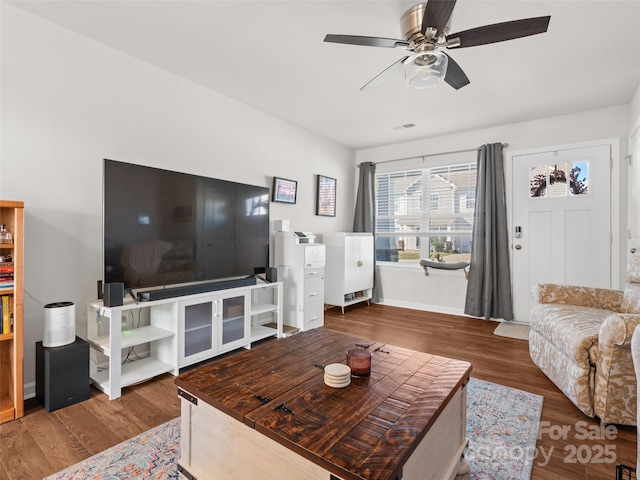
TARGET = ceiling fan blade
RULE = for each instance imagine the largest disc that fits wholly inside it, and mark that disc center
(500, 32)
(455, 76)
(436, 14)
(366, 41)
(385, 75)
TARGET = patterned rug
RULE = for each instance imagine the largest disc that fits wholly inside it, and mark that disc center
(152, 454)
(502, 427)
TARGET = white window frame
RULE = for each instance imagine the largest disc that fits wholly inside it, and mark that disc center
(425, 234)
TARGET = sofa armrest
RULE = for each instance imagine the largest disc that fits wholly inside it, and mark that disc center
(617, 330)
(615, 394)
(602, 298)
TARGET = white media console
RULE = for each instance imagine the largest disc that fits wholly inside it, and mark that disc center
(181, 331)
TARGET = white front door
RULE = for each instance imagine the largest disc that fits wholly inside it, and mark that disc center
(561, 221)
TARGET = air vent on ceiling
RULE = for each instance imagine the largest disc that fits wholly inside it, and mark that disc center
(403, 127)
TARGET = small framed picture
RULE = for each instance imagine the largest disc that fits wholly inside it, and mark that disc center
(284, 190)
(326, 196)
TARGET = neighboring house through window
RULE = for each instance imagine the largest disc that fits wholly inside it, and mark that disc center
(425, 212)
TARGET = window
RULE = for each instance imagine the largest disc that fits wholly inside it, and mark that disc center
(551, 180)
(425, 213)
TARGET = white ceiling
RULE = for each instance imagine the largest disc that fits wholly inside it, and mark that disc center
(271, 55)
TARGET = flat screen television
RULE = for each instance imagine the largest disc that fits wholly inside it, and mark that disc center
(166, 228)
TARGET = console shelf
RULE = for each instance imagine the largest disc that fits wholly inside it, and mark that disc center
(259, 308)
(259, 332)
(131, 338)
(132, 373)
(182, 331)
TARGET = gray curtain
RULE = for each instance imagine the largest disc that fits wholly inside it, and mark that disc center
(364, 219)
(489, 286)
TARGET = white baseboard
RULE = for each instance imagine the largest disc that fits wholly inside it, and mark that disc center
(425, 307)
(29, 390)
(440, 309)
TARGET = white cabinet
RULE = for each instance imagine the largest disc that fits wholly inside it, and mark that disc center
(181, 331)
(212, 324)
(304, 297)
(349, 268)
(301, 267)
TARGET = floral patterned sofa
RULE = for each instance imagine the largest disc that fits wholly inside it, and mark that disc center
(581, 339)
(635, 352)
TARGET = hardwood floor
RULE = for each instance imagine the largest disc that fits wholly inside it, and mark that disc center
(505, 361)
(42, 443)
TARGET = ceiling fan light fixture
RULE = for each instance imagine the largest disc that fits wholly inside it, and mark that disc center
(425, 69)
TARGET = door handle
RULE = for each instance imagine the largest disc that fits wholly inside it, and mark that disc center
(518, 247)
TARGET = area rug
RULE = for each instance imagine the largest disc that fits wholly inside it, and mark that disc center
(152, 454)
(513, 330)
(502, 427)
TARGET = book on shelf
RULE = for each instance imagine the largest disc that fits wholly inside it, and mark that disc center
(6, 314)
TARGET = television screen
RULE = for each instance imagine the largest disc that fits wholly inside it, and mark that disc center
(166, 228)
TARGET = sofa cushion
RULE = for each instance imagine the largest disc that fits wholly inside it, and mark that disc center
(570, 328)
(602, 298)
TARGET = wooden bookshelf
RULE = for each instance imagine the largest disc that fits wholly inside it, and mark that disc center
(11, 342)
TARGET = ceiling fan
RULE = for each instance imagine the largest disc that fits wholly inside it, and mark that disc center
(426, 28)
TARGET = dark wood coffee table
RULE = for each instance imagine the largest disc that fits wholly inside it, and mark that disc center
(266, 413)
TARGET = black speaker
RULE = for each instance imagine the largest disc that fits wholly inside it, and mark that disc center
(113, 294)
(62, 374)
(272, 274)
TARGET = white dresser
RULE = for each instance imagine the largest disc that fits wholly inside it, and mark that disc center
(300, 264)
(349, 268)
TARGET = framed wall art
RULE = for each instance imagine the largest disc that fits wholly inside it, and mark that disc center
(284, 190)
(326, 196)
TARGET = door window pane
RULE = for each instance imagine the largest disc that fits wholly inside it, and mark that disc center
(559, 180)
(579, 178)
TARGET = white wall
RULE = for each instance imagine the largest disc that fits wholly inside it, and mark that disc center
(68, 102)
(634, 114)
(445, 291)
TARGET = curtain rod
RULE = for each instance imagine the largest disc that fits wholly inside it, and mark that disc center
(504, 145)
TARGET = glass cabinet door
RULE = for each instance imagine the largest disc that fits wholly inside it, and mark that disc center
(233, 321)
(213, 324)
(198, 330)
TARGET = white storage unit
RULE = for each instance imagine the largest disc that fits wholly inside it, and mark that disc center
(211, 325)
(183, 330)
(300, 265)
(349, 268)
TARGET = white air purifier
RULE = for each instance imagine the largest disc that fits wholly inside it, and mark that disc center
(59, 324)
